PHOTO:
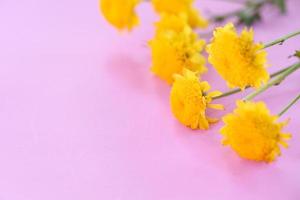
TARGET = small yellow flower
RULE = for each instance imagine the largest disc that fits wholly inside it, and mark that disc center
(189, 100)
(253, 132)
(181, 7)
(120, 13)
(171, 22)
(171, 6)
(172, 51)
(195, 19)
(239, 60)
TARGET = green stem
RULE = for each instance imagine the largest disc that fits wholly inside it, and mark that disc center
(278, 79)
(280, 71)
(237, 90)
(230, 92)
(289, 105)
(282, 39)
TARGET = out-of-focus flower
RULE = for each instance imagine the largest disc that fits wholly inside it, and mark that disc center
(172, 51)
(120, 13)
(171, 6)
(171, 22)
(237, 58)
(181, 7)
(189, 100)
(253, 132)
(195, 19)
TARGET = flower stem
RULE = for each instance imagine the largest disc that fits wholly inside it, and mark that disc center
(278, 79)
(280, 71)
(289, 105)
(282, 39)
(237, 90)
(230, 92)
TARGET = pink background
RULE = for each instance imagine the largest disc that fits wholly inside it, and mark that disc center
(82, 118)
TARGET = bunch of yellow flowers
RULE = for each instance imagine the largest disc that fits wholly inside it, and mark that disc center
(178, 59)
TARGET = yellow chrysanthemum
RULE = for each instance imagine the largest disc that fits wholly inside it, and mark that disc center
(181, 7)
(120, 13)
(189, 100)
(195, 19)
(172, 51)
(239, 60)
(253, 132)
(171, 22)
(171, 6)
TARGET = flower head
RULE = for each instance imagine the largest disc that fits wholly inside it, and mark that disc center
(195, 19)
(120, 13)
(171, 22)
(172, 51)
(171, 6)
(253, 132)
(189, 100)
(181, 7)
(239, 60)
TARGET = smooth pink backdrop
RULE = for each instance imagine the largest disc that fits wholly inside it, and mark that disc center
(82, 118)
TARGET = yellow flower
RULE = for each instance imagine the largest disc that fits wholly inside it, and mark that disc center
(171, 6)
(171, 22)
(253, 132)
(181, 7)
(172, 51)
(195, 19)
(239, 60)
(120, 13)
(189, 100)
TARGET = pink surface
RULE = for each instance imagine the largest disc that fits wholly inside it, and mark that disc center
(83, 119)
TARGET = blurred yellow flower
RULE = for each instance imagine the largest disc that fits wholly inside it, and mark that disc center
(172, 51)
(239, 60)
(171, 6)
(181, 7)
(253, 132)
(195, 19)
(171, 22)
(120, 13)
(189, 100)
